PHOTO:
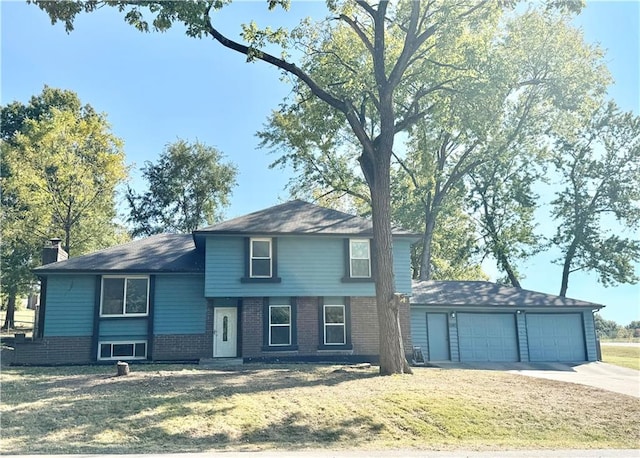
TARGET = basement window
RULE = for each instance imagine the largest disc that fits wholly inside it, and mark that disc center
(122, 350)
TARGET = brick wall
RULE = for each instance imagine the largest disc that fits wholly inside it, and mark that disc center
(308, 330)
(252, 327)
(364, 329)
(55, 350)
(176, 347)
(364, 326)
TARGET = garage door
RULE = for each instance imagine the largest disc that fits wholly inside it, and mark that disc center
(555, 337)
(487, 337)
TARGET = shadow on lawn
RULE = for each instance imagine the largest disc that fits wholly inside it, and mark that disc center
(160, 410)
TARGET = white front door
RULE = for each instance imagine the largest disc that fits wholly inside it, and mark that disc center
(225, 332)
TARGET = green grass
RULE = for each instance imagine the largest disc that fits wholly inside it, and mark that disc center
(160, 408)
(621, 356)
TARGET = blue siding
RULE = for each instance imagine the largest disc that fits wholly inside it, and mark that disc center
(123, 329)
(523, 342)
(454, 345)
(308, 266)
(70, 305)
(180, 305)
(590, 335)
(402, 265)
(419, 330)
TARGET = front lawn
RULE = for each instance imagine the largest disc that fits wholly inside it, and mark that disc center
(160, 408)
(621, 356)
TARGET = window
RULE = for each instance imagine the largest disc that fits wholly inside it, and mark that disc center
(359, 258)
(260, 262)
(279, 325)
(122, 350)
(334, 325)
(122, 296)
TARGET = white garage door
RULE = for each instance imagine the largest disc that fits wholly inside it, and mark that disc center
(555, 337)
(487, 337)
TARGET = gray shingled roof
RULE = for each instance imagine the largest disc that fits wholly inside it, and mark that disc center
(483, 293)
(297, 217)
(158, 253)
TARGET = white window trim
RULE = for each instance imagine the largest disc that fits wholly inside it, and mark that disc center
(124, 305)
(122, 342)
(290, 325)
(351, 258)
(343, 324)
(251, 257)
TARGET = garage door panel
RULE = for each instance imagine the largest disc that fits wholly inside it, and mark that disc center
(487, 337)
(556, 337)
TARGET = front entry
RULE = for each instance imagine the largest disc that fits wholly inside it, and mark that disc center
(225, 332)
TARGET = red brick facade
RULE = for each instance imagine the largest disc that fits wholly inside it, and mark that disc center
(364, 330)
(55, 350)
(181, 347)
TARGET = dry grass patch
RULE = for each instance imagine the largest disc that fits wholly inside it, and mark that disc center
(184, 408)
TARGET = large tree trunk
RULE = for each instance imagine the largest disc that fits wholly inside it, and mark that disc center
(506, 266)
(392, 355)
(566, 268)
(427, 240)
(9, 319)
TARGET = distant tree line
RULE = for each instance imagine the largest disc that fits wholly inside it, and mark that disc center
(609, 329)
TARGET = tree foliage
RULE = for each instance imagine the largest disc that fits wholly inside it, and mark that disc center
(60, 169)
(188, 187)
(599, 165)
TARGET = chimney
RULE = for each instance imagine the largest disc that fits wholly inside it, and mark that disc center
(53, 252)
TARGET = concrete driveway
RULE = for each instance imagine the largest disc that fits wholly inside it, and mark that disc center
(596, 374)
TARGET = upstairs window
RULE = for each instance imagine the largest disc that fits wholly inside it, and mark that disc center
(124, 296)
(261, 258)
(359, 258)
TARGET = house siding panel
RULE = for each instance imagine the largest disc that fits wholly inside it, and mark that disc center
(307, 266)
(419, 330)
(402, 265)
(454, 346)
(70, 305)
(123, 329)
(590, 335)
(180, 305)
(523, 343)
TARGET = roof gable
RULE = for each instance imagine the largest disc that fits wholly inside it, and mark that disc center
(297, 218)
(484, 293)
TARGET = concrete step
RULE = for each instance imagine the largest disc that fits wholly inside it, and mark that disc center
(220, 362)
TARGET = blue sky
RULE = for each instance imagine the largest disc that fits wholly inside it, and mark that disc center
(156, 88)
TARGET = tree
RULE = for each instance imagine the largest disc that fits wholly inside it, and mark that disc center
(634, 328)
(501, 87)
(187, 187)
(599, 166)
(377, 105)
(605, 328)
(60, 169)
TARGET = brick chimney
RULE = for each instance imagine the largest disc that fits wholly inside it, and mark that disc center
(53, 252)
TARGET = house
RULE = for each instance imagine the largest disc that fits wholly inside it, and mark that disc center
(472, 321)
(292, 282)
(289, 283)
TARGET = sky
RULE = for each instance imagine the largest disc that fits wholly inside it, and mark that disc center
(156, 88)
